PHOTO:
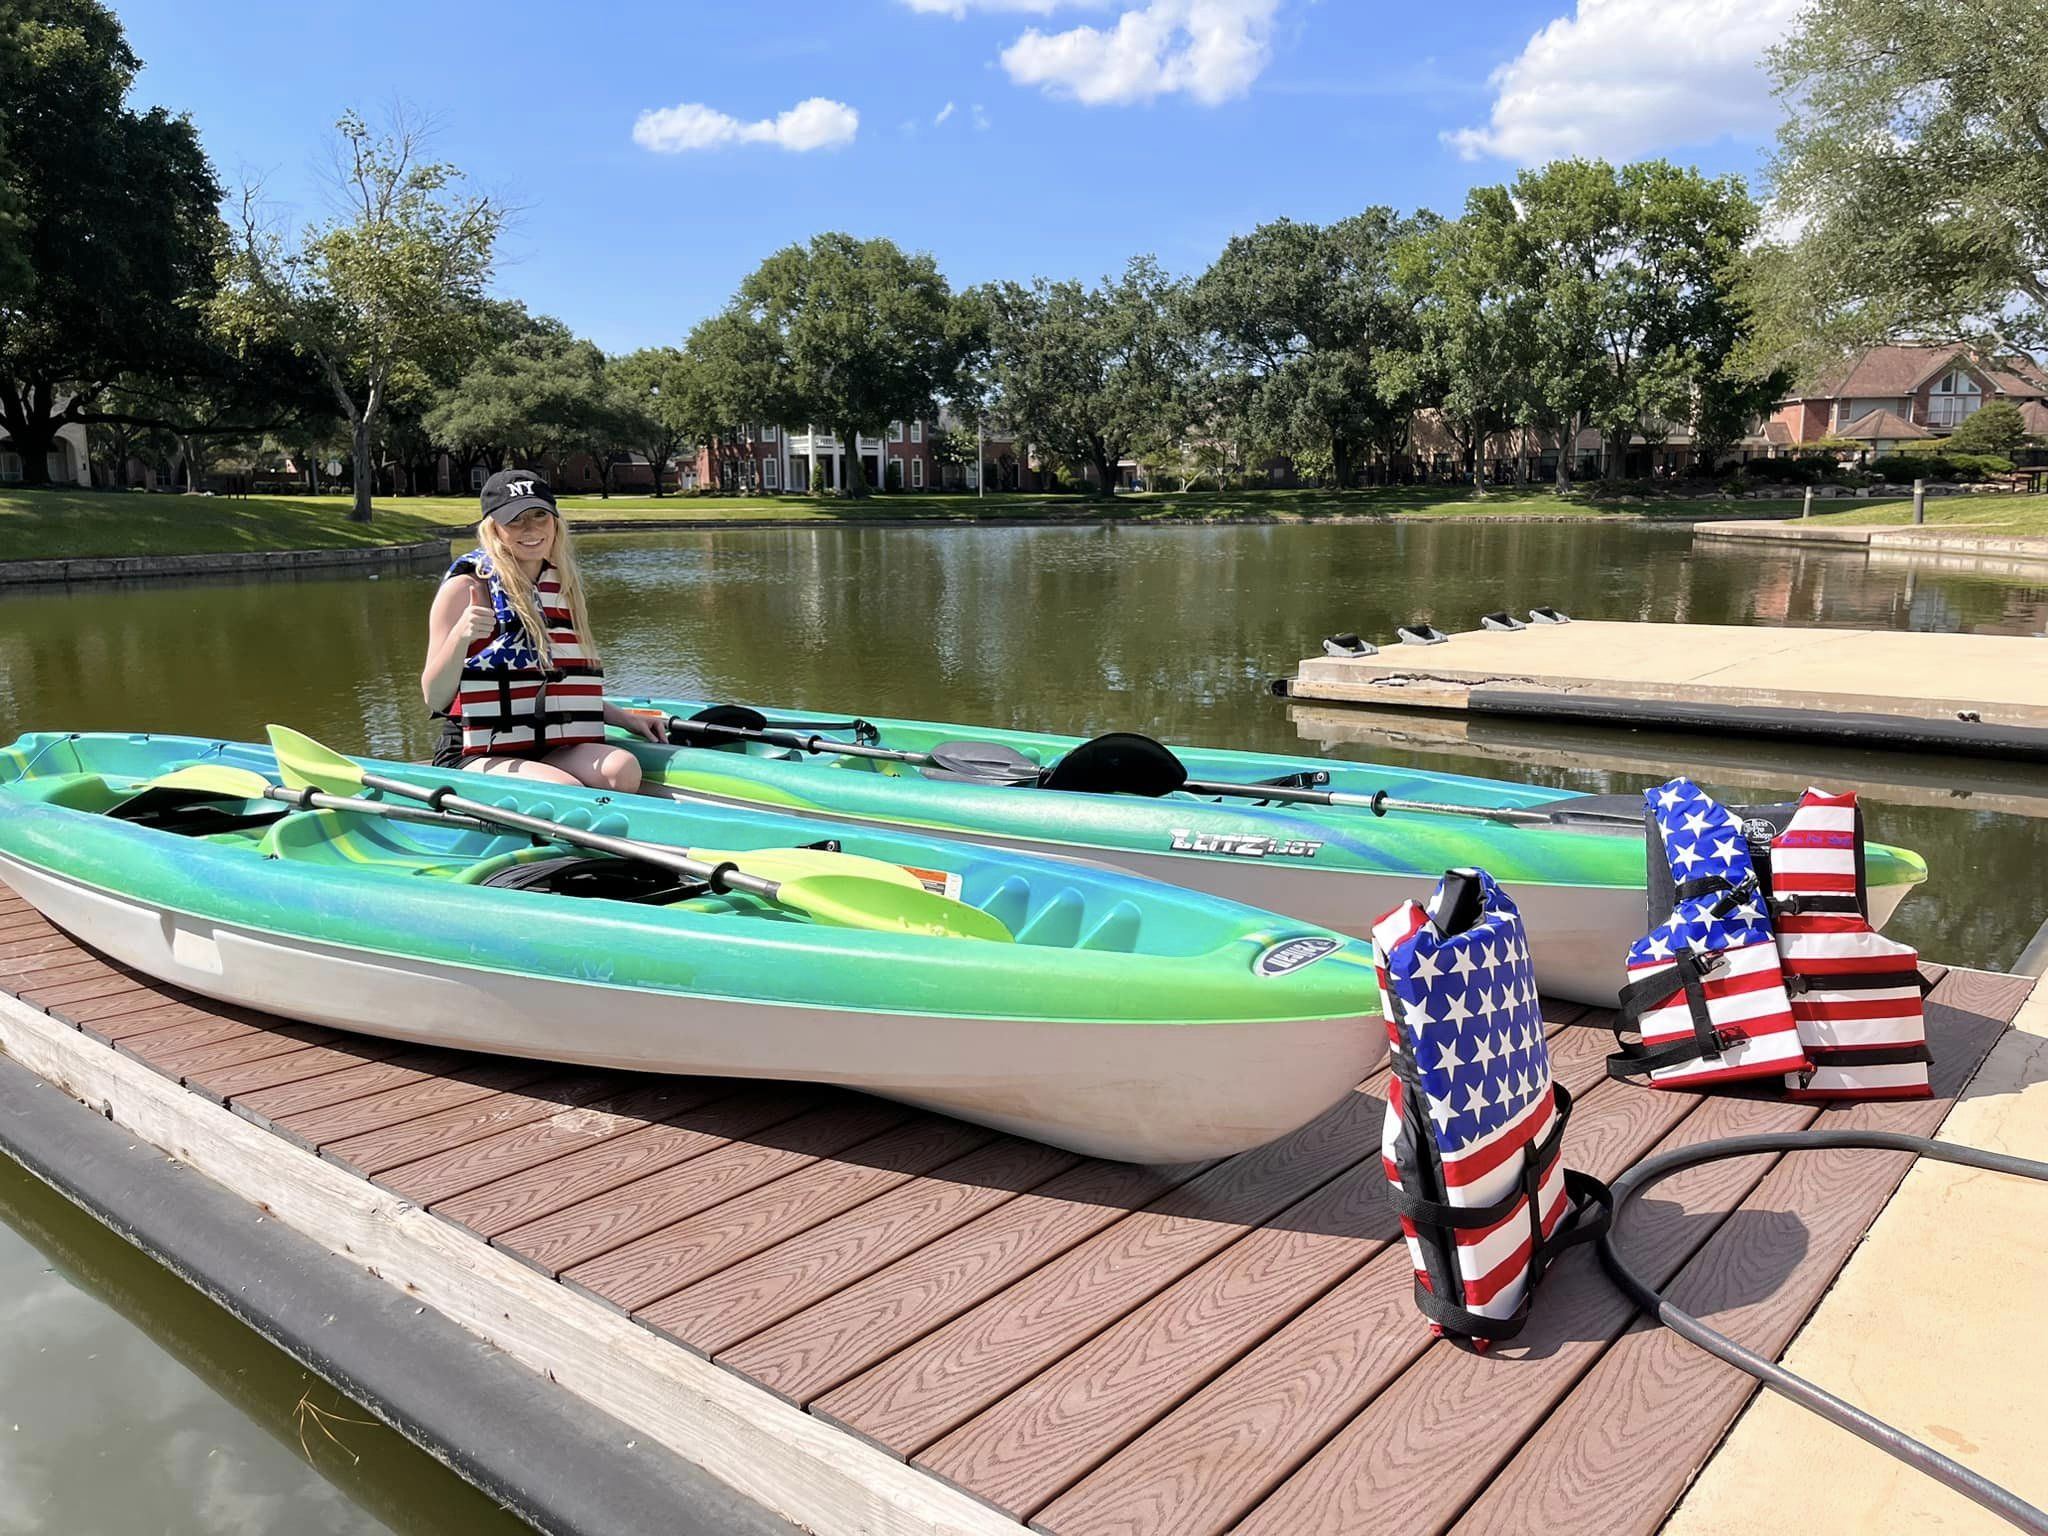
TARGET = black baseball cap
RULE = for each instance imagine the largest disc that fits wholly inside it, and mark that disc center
(512, 491)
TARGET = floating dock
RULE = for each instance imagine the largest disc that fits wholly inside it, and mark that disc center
(864, 1318)
(1965, 694)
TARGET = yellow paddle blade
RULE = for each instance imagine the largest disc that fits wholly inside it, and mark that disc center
(854, 901)
(796, 863)
(212, 779)
(303, 762)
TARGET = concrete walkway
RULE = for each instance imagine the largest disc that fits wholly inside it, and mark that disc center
(1934, 1326)
(1948, 540)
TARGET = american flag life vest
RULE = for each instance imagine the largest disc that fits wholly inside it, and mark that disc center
(512, 701)
(1856, 995)
(1706, 987)
(1474, 1126)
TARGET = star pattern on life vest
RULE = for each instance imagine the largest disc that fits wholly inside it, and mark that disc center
(1703, 841)
(511, 648)
(1469, 1008)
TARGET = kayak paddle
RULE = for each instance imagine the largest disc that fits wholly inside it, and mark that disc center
(843, 900)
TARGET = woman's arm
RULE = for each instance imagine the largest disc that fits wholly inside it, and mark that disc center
(651, 727)
(460, 617)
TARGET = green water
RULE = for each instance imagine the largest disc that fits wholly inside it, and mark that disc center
(1172, 631)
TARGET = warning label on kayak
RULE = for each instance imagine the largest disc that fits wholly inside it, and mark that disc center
(1292, 954)
(937, 881)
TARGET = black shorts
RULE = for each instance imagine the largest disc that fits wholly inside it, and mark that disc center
(448, 748)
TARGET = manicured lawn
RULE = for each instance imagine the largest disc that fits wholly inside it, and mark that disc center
(2001, 514)
(52, 524)
(49, 525)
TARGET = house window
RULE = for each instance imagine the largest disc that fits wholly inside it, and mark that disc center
(895, 431)
(1955, 397)
(770, 432)
(10, 467)
(917, 431)
(769, 471)
(917, 473)
(476, 477)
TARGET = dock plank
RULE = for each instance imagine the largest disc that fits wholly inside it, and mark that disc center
(596, 1226)
(817, 1349)
(1631, 1452)
(1046, 1434)
(96, 1015)
(443, 1175)
(476, 1079)
(503, 1205)
(371, 1152)
(666, 1260)
(717, 1313)
(261, 1045)
(223, 1083)
(411, 1065)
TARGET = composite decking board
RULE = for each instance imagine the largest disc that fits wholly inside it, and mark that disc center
(449, 1129)
(50, 998)
(111, 1026)
(223, 1083)
(94, 1015)
(12, 950)
(717, 1313)
(1039, 1439)
(415, 1064)
(271, 1041)
(1210, 1462)
(498, 1207)
(929, 1389)
(592, 1227)
(1629, 1449)
(446, 1174)
(841, 1336)
(477, 1079)
(22, 923)
(663, 1262)
(211, 1029)
(1425, 1447)
(53, 969)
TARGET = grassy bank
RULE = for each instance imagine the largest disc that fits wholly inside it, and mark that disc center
(51, 525)
(37, 525)
(2003, 515)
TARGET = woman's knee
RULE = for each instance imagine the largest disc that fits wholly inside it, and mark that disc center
(620, 771)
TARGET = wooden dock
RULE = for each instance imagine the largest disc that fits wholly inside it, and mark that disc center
(1968, 694)
(870, 1318)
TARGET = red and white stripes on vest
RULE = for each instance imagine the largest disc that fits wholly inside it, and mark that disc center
(1475, 1126)
(1856, 994)
(514, 698)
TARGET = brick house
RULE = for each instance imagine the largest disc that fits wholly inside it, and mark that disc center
(1887, 396)
(770, 458)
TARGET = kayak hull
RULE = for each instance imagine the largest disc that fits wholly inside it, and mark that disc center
(1145, 1093)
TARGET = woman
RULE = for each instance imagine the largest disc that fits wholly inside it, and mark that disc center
(511, 668)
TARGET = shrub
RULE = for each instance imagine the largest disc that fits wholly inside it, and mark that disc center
(1997, 428)
(818, 485)
(1979, 466)
(892, 475)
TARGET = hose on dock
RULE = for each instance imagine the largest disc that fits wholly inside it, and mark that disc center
(1886, 1437)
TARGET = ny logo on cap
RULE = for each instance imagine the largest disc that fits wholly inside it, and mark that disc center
(519, 488)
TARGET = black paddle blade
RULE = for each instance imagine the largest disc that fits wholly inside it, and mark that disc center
(981, 762)
(738, 716)
(1120, 763)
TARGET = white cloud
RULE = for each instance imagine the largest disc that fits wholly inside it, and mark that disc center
(980, 119)
(944, 112)
(1211, 50)
(818, 123)
(1622, 77)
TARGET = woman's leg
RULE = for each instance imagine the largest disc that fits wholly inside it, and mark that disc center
(521, 767)
(598, 766)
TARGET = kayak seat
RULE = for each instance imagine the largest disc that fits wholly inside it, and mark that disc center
(980, 762)
(1119, 763)
(577, 874)
(332, 837)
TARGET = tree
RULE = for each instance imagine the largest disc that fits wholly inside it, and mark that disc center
(851, 333)
(378, 294)
(1089, 373)
(1998, 427)
(653, 409)
(96, 278)
(1303, 311)
(1916, 161)
(530, 399)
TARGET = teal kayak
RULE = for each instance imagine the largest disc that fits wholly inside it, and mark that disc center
(1126, 1018)
(1573, 867)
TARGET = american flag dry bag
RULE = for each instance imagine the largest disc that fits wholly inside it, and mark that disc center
(1705, 994)
(1474, 1123)
(1857, 996)
(514, 698)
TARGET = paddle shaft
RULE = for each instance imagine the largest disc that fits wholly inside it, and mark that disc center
(312, 799)
(720, 877)
(800, 742)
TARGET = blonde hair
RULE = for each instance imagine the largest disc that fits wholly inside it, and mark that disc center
(519, 590)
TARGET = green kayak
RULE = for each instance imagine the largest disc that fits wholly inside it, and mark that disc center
(1573, 867)
(1126, 1019)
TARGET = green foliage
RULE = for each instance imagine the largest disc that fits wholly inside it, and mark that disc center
(1301, 313)
(892, 475)
(381, 295)
(850, 333)
(108, 221)
(653, 411)
(819, 484)
(1916, 162)
(1087, 374)
(527, 400)
(1998, 427)
(1904, 468)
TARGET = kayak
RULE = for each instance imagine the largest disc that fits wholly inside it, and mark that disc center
(1574, 867)
(1126, 1019)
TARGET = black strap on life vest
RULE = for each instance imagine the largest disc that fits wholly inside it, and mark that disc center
(1591, 1205)
(1688, 972)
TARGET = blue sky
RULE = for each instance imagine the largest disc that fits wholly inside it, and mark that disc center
(1007, 137)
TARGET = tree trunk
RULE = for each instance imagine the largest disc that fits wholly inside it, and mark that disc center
(1340, 460)
(657, 462)
(854, 483)
(1567, 445)
(359, 456)
(25, 413)
(1105, 468)
(1616, 456)
(191, 464)
(1478, 460)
